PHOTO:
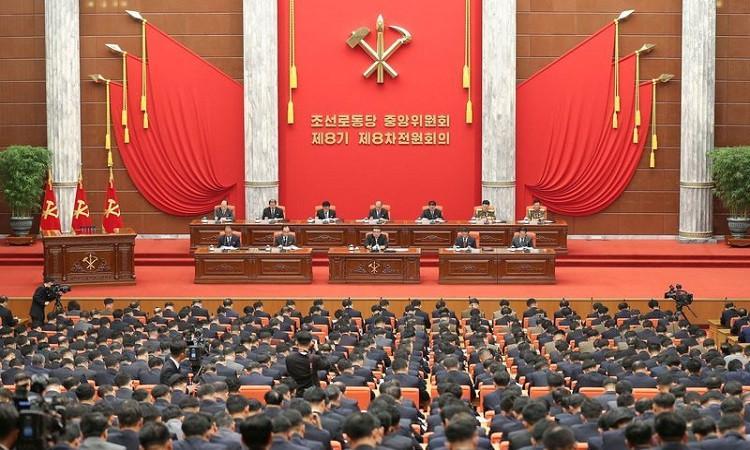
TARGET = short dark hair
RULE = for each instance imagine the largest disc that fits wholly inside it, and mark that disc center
(8, 419)
(195, 425)
(485, 202)
(432, 203)
(360, 425)
(534, 411)
(703, 426)
(638, 433)
(93, 425)
(256, 432)
(154, 434)
(461, 429)
(730, 422)
(558, 438)
(670, 427)
(129, 413)
(325, 203)
(177, 347)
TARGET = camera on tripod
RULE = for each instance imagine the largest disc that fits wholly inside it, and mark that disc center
(56, 291)
(197, 348)
(39, 421)
(681, 297)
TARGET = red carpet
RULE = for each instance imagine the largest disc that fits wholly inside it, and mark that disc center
(572, 282)
(604, 269)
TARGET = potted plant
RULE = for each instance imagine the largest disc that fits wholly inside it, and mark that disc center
(731, 174)
(23, 169)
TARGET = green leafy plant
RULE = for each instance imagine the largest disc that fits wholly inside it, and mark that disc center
(23, 169)
(731, 173)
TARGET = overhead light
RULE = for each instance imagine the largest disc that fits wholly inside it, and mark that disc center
(98, 78)
(135, 15)
(115, 48)
(665, 77)
(625, 14)
(647, 48)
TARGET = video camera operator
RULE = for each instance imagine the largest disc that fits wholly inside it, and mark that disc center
(42, 296)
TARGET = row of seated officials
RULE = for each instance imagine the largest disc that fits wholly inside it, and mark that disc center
(378, 211)
(186, 379)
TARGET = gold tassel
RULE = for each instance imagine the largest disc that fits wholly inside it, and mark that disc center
(290, 112)
(124, 120)
(145, 120)
(110, 163)
(293, 77)
(469, 111)
(638, 118)
(614, 120)
(635, 135)
(108, 136)
(466, 78)
(126, 139)
(654, 140)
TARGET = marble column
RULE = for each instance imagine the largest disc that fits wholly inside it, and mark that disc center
(698, 78)
(260, 28)
(499, 105)
(63, 83)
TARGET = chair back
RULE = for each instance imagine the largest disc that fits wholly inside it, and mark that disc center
(543, 209)
(479, 208)
(361, 394)
(475, 235)
(256, 392)
(530, 234)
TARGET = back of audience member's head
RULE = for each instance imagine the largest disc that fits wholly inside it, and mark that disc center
(360, 426)
(195, 425)
(93, 425)
(558, 437)
(670, 427)
(638, 434)
(155, 436)
(703, 426)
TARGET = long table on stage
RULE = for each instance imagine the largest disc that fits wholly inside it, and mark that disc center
(497, 266)
(90, 258)
(401, 233)
(363, 266)
(253, 265)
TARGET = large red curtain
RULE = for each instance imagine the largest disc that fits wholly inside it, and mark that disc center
(568, 154)
(192, 155)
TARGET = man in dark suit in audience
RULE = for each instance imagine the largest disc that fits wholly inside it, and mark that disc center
(6, 314)
(640, 377)
(464, 240)
(229, 239)
(172, 364)
(273, 212)
(432, 212)
(223, 212)
(325, 213)
(285, 239)
(378, 212)
(376, 240)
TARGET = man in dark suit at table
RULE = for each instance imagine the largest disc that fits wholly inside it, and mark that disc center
(228, 239)
(326, 212)
(224, 212)
(378, 212)
(464, 240)
(285, 239)
(432, 212)
(376, 240)
(522, 239)
(273, 211)
(6, 314)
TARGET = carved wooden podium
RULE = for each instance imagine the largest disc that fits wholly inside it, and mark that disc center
(90, 258)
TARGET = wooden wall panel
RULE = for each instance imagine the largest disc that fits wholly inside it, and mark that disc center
(213, 29)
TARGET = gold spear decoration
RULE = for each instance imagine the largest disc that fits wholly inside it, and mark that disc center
(98, 78)
(616, 109)
(663, 78)
(646, 48)
(467, 64)
(124, 120)
(292, 64)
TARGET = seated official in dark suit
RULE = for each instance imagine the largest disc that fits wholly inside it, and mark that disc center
(272, 211)
(485, 212)
(376, 240)
(224, 212)
(228, 238)
(464, 240)
(285, 239)
(432, 212)
(5, 314)
(325, 212)
(378, 212)
(522, 239)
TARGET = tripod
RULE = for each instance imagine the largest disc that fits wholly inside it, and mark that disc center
(681, 312)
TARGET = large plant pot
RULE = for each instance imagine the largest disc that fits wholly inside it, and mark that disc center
(21, 226)
(738, 226)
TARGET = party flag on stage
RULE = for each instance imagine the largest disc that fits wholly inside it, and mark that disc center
(81, 213)
(50, 220)
(112, 215)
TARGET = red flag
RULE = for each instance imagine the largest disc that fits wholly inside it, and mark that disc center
(81, 213)
(50, 220)
(112, 218)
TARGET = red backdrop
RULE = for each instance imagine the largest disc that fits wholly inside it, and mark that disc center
(331, 82)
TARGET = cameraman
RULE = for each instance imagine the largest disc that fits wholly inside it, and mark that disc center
(42, 296)
(5, 313)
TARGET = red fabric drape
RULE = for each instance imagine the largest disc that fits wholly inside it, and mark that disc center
(192, 155)
(568, 154)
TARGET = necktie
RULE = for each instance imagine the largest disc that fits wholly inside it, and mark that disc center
(284, 241)
(465, 240)
(273, 212)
